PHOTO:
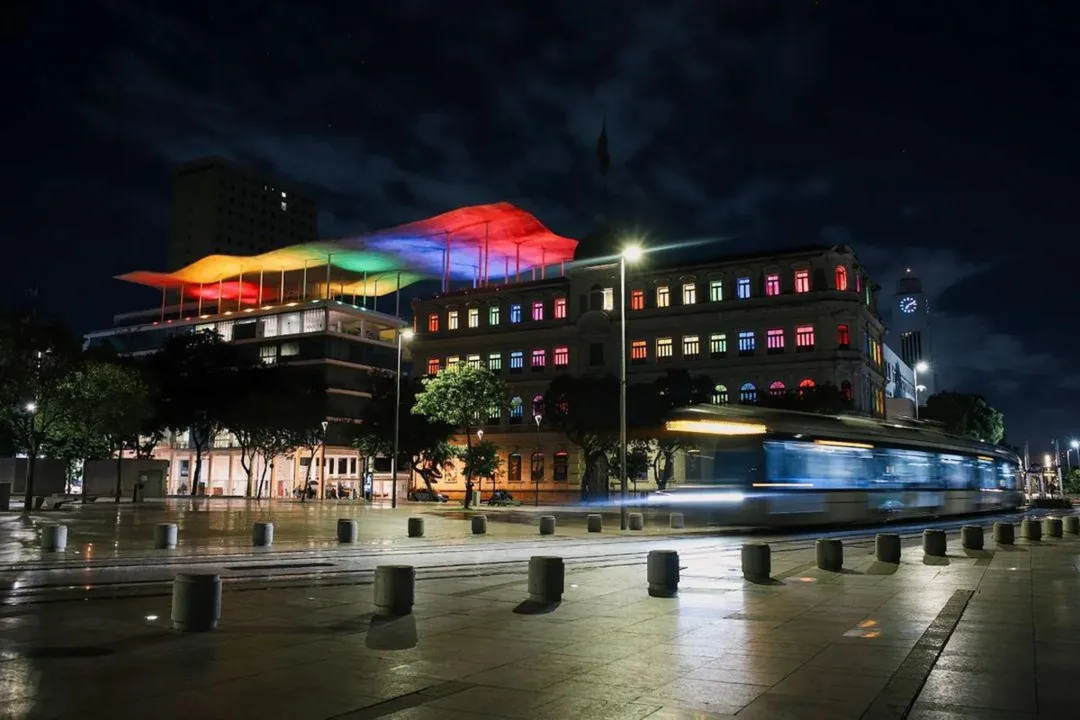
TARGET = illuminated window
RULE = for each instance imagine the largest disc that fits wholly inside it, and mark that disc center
(433, 322)
(313, 321)
(748, 393)
(720, 395)
(561, 467)
(776, 388)
(289, 349)
(560, 308)
(718, 344)
(843, 337)
(742, 288)
(802, 281)
(538, 310)
(452, 361)
(772, 284)
(663, 296)
(845, 390)
(517, 408)
(716, 290)
(637, 299)
(493, 315)
(472, 360)
(452, 320)
(539, 359)
(494, 415)
(561, 356)
(536, 472)
(689, 293)
(517, 361)
(804, 385)
(515, 313)
(639, 351)
(804, 338)
(774, 341)
(433, 366)
(746, 343)
(691, 346)
(270, 326)
(474, 317)
(663, 348)
(841, 277)
(268, 354)
(858, 282)
(608, 299)
(538, 405)
(495, 362)
(513, 465)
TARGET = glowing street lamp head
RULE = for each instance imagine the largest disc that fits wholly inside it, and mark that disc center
(407, 334)
(1074, 443)
(922, 366)
(31, 407)
(633, 253)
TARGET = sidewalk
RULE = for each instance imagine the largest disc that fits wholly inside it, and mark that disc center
(982, 635)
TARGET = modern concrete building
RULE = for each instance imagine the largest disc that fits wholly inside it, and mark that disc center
(753, 324)
(220, 208)
(899, 387)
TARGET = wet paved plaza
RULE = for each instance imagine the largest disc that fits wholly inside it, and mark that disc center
(85, 634)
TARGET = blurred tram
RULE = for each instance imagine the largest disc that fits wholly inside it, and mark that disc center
(755, 466)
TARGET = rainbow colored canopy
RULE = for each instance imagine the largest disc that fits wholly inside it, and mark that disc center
(470, 243)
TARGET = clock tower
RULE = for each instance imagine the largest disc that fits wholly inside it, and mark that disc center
(911, 322)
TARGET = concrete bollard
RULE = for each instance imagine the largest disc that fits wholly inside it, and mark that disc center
(54, 538)
(662, 571)
(165, 535)
(676, 521)
(971, 537)
(1051, 527)
(887, 548)
(196, 602)
(636, 521)
(595, 523)
(1071, 524)
(756, 562)
(416, 527)
(479, 524)
(395, 589)
(347, 531)
(547, 524)
(1004, 533)
(262, 534)
(830, 554)
(934, 543)
(1030, 529)
(546, 574)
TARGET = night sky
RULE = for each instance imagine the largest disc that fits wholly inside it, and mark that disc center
(937, 135)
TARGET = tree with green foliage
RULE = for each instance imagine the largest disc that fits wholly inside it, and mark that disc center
(585, 409)
(422, 441)
(966, 415)
(459, 396)
(482, 460)
(1071, 481)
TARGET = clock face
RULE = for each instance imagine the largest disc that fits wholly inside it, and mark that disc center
(908, 305)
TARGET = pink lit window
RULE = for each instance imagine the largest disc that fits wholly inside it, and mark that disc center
(560, 309)
(802, 281)
(562, 356)
(538, 310)
(772, 284)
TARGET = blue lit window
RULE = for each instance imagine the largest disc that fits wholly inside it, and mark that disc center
(517, 361)
(515, 313)
(746, 343)
(748, 393)
(742, 287)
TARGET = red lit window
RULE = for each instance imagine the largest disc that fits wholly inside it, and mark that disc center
(774, 339)
(637, 299)
(804, 337)
(433, 366)
(560, 309)
(858, 282)
(562, 356)
(772, 284)
(805, 385)
(539, 358)
(846, 391)
(639, 351)
(538, 310)
(841, 277)
(802, 281)
(843, 336)
(433, 322)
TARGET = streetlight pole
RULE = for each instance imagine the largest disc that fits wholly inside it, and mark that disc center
(631, 253)
(536, 476)
(916, 369)
(402, 336)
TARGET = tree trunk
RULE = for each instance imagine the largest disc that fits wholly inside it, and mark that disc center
(468, 455)
(31, 460)
(198, 469)
(267, 465)
(247, 462)
(119, 473)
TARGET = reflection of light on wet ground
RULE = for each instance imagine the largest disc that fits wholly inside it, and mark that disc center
(867, 623)
(863, 633)
(807, 579)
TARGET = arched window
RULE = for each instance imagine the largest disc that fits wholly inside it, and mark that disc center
(536, 470)
(776, 388)
(748, 393)
(845, 389)
(513, 467)
(804, 385)
(538, 405)
(516, 410)
(562, 466)
(841, 277)
(719, 395)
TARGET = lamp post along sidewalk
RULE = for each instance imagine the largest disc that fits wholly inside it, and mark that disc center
(629, 254)
(403, 336)
(919, 367)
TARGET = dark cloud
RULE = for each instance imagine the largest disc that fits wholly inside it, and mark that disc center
(765, 122)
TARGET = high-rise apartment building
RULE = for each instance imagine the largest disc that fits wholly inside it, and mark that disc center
(220, 208)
